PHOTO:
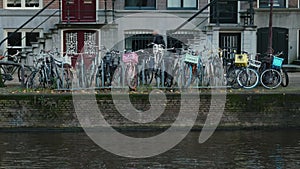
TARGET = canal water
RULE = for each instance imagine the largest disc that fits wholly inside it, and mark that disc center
(225, 149)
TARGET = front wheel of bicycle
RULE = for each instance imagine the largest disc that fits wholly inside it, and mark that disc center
(248, 78)
(270, 79)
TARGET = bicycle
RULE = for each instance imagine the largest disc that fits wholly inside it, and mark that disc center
(247, 77)
(271, 77)
(11, 65)
(106, 69)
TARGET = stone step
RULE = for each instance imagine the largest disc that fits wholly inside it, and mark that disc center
(296, 62)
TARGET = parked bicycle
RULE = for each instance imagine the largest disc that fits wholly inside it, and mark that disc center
(12, 64)
(272, 73)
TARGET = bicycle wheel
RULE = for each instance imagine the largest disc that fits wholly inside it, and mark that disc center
(117, 77)
(99, 79)
(27, 72)
(285, 78)
(187, 75)
(148, 76)
(270, 79)
(248, 78)
(3, 74)
(131, 76)
(68, 77)
(232, 78)
(35, 80)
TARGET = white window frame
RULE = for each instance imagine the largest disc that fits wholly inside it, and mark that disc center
(298, 44)
(182, 7)
(23, 5)
(286, 4)
(23, 33)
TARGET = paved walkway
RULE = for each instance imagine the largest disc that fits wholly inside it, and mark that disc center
(14, 87)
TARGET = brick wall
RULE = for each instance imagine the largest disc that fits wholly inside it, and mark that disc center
(241, 111)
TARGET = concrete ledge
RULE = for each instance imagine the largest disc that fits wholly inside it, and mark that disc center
(52, 112)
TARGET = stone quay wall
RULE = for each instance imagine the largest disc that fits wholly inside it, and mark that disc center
(241, 111)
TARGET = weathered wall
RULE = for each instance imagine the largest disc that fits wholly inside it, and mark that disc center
(241, 111)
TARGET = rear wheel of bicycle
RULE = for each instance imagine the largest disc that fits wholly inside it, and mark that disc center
(270, 79)
(248, 78)
(285, 78)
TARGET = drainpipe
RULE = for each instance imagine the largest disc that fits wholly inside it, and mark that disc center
(270, 49)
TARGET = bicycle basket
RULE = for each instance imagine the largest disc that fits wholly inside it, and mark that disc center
(191, 58)
(277, 62)
(254, 63)
(241, 60)
(130, 57)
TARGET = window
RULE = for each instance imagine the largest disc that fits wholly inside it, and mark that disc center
(23, 3)
(182, 4)
(140, 4)
(135, 40)
(224, 12)
(276, 3)
(231, 41)
(20, 40)
(180, 39)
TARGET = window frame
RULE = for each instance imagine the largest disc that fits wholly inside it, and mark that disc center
(182, 7)
(23, 5)
(23, 33)
(286, 5)
(225, 20)
(139, 7)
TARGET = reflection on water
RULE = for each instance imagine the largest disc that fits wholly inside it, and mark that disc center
(225, 149)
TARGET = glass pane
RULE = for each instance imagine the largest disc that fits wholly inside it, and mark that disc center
(13, 3)
(189, 3)
(32, 3)
(15, 40)
(31, 37)
(140, 3)
(276, 3)
(174, 3)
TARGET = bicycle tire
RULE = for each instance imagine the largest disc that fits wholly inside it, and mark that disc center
(27, 72)
(117, 77)
(68, 78)
(285, 78)
(98, 79)
(3, 73)
(270, 79)
(131, 77)
(187, 75)
(34, 81)
(248, 78)
(231, 77)
(148, 76)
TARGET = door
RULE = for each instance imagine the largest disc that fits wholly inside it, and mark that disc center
(81, 43)
(280, 41)
(79, 10)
